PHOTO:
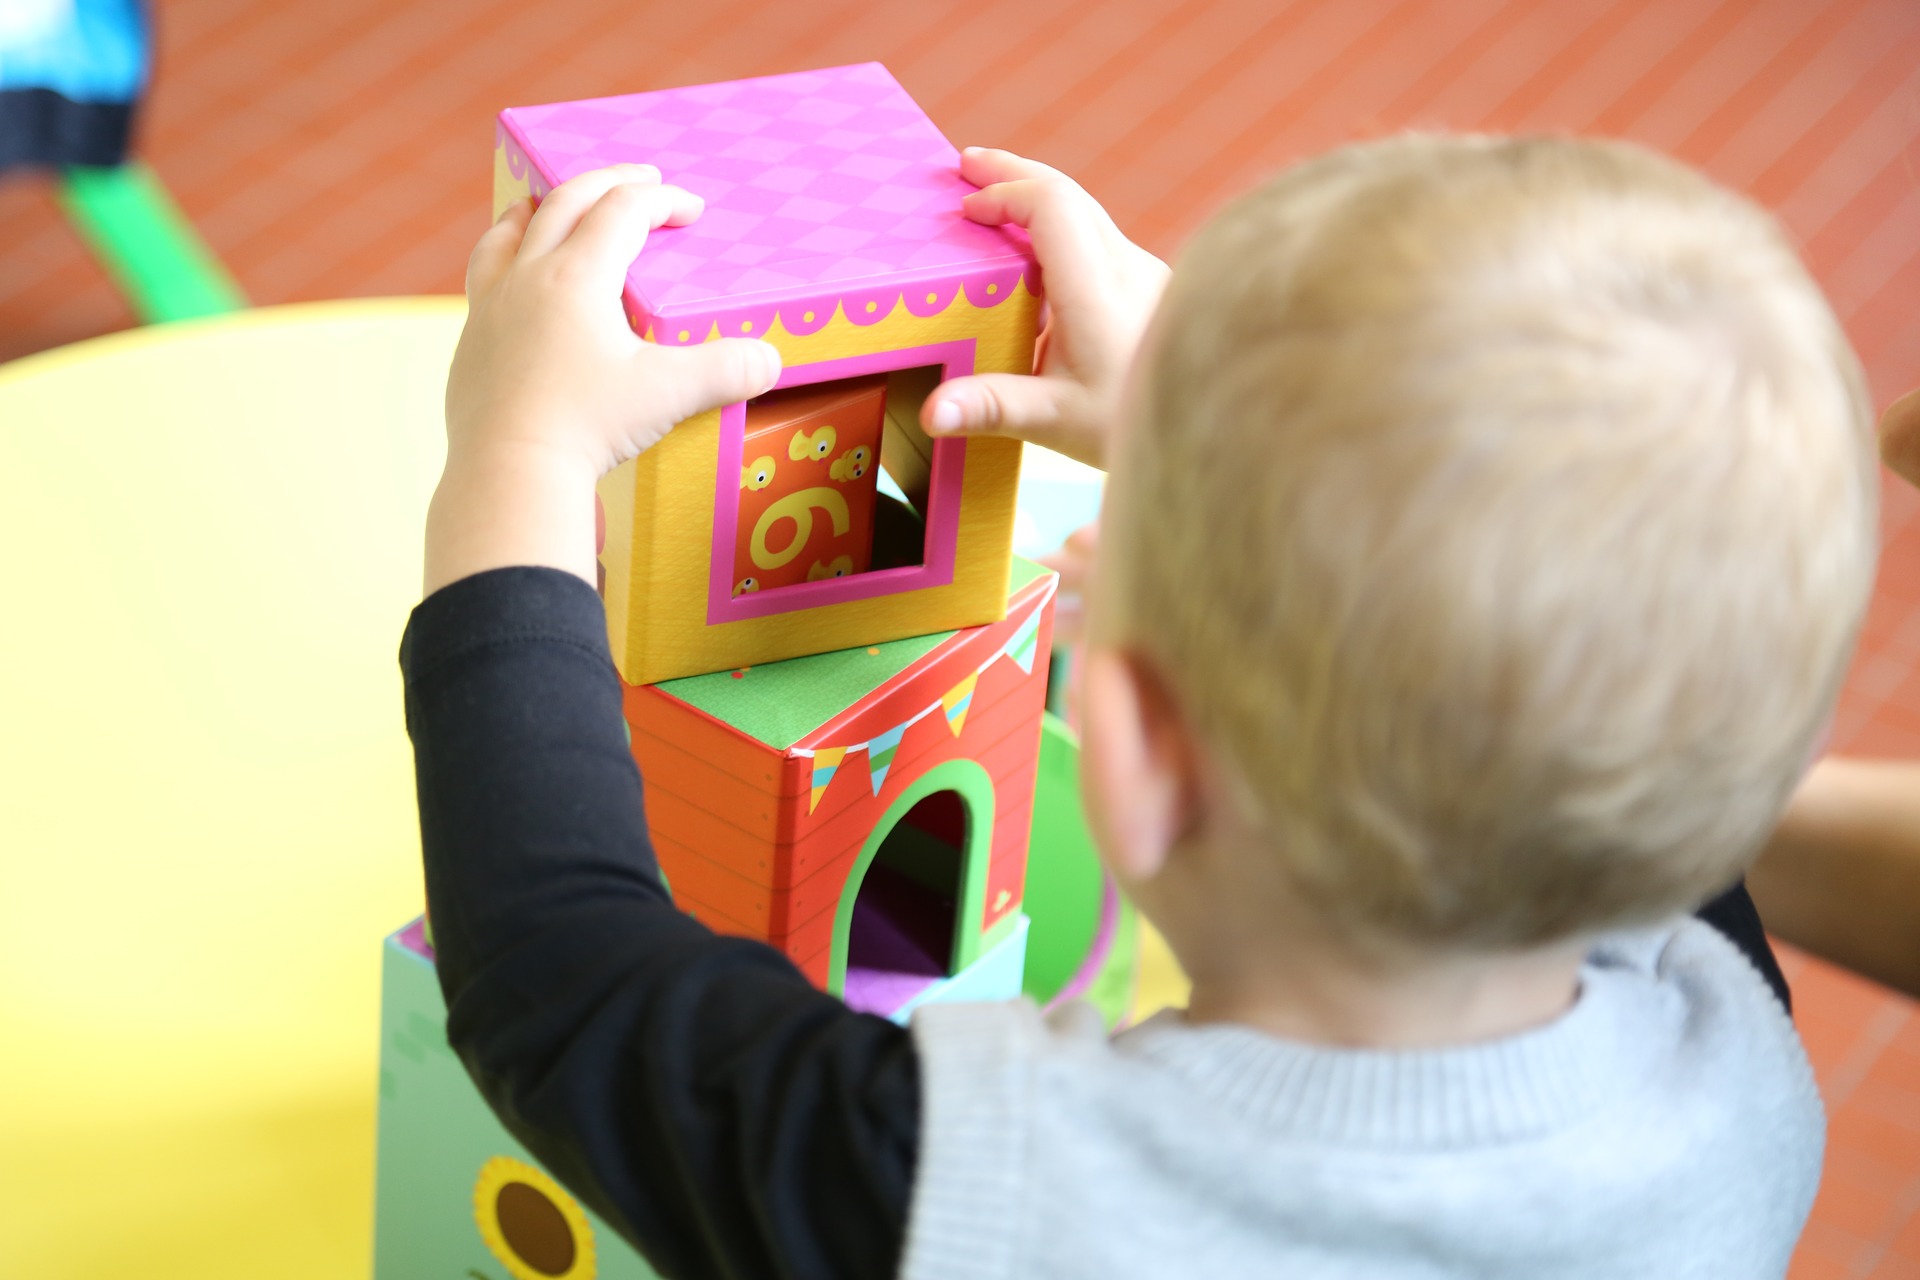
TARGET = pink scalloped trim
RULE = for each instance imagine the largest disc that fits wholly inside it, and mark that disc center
(984, 289)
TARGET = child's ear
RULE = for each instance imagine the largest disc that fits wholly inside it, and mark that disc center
(1139, 763)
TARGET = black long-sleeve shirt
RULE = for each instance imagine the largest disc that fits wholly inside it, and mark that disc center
(695, 1090)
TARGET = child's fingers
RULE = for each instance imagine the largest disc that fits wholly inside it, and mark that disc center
(612, 233)
(1049, 201)
(679, 382)
(1900, 437)
(1072, 234)
(494, 252)
(563, 207)
(1070, 564)
(1045, 411)
(1085, 540)
(984, 166)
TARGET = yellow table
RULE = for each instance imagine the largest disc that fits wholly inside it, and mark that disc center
(211, 535)
(211, 539)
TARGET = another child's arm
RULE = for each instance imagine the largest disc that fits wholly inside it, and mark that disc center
(1900, 437)
(1841, 876)
(694, 1090)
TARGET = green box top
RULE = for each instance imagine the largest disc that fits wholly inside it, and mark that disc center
(779, 703)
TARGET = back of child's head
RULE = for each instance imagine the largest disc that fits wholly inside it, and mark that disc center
(1501, 514)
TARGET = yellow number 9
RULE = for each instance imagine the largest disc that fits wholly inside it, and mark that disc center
(798, 507)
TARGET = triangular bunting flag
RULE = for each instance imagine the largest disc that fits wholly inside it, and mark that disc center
(825, 761)
(880, 754)
(1024, 654)
(1021, 645)
(956, 702)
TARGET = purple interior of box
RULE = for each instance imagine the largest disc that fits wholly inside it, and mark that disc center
(414, 938)
(898, 942)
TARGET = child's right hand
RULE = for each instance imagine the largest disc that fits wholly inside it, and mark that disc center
(1101, 291)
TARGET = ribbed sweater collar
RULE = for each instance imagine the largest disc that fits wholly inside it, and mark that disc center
(1605, 1046)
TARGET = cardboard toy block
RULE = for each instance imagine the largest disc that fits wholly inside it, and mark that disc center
(1085, 940)
(454, 1194)
(809, 450)
(832, 230)
(457, 1196)
(865, 811)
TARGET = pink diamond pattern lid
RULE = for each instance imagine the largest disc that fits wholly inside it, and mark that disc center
(823, 188)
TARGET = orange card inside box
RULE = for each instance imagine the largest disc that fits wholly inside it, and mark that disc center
(808, 484)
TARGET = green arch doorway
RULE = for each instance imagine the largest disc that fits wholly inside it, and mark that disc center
(923, 874)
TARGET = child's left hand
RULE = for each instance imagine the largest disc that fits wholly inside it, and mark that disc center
(550, 388)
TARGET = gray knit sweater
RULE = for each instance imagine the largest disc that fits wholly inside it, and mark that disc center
(1666, 1126)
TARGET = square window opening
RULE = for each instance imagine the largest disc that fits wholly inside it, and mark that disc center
(840, 494)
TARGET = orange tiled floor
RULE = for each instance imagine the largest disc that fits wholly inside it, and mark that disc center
(341, 149)
(1865, 1045)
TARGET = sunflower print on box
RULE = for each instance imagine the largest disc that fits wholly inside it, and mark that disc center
(530, 1223)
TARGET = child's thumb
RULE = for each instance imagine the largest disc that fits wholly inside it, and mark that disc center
(725, 371)
(1041, 410)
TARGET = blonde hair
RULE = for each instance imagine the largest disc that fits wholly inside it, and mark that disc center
(1502, 514)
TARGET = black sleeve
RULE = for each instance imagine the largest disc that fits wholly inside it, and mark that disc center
(696, 1091)
(1734, 915)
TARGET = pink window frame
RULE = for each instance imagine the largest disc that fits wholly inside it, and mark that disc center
(943, 498)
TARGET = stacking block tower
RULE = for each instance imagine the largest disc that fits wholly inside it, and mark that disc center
(834, 668)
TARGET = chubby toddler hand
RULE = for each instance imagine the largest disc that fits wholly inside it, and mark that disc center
(550, 387)
(548, 360)
(1101, 291)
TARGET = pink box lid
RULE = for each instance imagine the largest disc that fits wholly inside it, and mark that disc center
(823, 188)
